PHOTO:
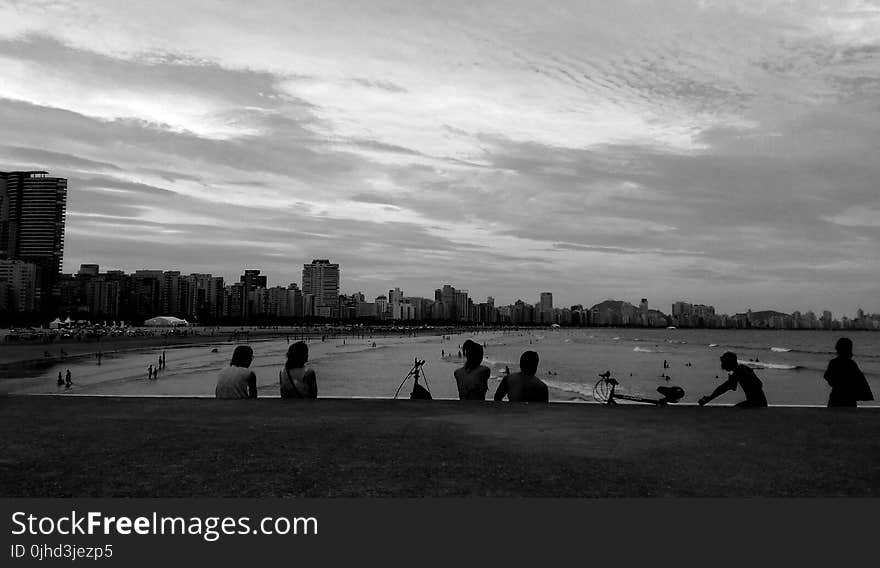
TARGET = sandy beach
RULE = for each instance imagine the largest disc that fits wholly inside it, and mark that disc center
(150, 447)
(373, 366)
(30, 351)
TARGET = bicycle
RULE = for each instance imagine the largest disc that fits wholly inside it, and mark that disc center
(605, 392)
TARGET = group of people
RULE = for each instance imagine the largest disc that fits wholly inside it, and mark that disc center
(153, 374)
(848, 383)
(67, 381)
(295, 380)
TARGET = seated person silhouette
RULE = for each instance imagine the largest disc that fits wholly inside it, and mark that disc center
(848, 383)
(524, 386)
(296, 380)
(739, 375)
(473, 378)
(237, 380)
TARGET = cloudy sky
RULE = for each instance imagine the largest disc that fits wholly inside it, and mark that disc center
(720, 153)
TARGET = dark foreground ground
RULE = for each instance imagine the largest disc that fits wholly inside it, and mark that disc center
(130, 447)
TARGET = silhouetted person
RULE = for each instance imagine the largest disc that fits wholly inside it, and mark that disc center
(68, 379)
(745, 377)
(473, 378)
(60, 380)
(848, 383)
(524, 386)
(296, 380)
(237, 380)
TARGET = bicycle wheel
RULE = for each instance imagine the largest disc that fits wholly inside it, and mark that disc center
(602, 391)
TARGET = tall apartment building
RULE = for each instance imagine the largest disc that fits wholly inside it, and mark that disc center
(462, 305)
(545, 310)
(32, 208)
(147, 292)
(251, 280)
(18, 280)
(320, 280)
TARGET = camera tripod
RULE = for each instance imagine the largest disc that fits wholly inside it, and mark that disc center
(419, 392)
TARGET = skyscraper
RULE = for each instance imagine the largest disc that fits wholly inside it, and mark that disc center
(320, 279)
(32, 207)
(545, 307)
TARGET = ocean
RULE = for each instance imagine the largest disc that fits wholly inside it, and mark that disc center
(790, 364)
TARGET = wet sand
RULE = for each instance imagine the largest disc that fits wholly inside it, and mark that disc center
(165, 447)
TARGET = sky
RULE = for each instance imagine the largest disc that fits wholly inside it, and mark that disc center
(713, 152)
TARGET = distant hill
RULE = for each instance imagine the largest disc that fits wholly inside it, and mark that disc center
(619, 312)
(767, 314)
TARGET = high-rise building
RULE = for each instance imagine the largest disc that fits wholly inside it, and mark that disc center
(18, 280)
(462, 310)
(296, 300)
(395, 303)
(147, 290)
(320, 279)
(169, 294)
(545, 307)
(32, 207)
(251, 280)
(90, 270)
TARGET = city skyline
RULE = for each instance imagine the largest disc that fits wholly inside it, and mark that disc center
(445, 291)
(686, 150)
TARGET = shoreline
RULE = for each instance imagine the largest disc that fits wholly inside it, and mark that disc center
(33, 352)
(143, 447)
(488, 400)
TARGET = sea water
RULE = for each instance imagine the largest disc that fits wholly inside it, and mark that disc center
(789, 363)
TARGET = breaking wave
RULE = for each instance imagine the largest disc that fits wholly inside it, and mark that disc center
(776, 366)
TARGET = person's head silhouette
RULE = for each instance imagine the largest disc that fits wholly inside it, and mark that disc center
(729, 361)
(528, 362)
(473, 353)
(298, 355)
(844, 347)
(242, 356)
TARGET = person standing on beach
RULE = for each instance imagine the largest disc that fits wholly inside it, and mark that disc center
(524, 386)
(473, 378)
(295, 379)
(237, 380)
(68, 379)
(743, 376)
(60, 380)
(848, 383)
(150, 372)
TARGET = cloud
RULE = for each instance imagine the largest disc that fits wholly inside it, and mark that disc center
(723, 151)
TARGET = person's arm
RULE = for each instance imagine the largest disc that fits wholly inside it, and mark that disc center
(545, 394)
(485, 374)
(502, 390)
(728, 385)
(312, 380)
(252, 385)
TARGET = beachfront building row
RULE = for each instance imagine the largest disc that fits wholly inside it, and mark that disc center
(114, 295)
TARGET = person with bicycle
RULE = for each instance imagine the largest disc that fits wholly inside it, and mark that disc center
(739, 375)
